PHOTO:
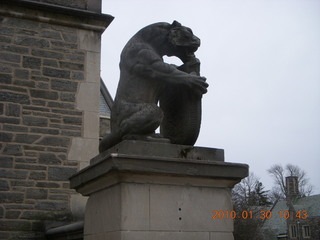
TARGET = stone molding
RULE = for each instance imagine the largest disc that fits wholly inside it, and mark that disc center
(117, 167)
(55, 14)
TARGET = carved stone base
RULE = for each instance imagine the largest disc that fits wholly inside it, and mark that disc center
(156, 191)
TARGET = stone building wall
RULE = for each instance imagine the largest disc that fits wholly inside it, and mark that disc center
(49, 111)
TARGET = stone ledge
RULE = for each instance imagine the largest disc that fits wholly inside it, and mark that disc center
(55, 14)
(162, 149)
(111, 168)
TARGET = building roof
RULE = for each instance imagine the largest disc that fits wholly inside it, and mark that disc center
(106, 100)
(278, 225)
(310, 204)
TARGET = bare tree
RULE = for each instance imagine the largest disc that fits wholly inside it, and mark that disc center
(242, 191)
(248, 195)
(279, 174)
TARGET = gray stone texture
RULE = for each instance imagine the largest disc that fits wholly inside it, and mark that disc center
(42, 64)
(152, 190)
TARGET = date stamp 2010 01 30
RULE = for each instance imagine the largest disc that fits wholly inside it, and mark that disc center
(258, 215)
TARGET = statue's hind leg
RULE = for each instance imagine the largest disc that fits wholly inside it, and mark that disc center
(132, 121)
(144, 120)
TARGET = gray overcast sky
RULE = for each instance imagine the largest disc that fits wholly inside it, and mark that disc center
(262, 61)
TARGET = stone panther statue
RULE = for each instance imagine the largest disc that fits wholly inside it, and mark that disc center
(146, 80)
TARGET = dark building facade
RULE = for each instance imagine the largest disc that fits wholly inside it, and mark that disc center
(49, 110)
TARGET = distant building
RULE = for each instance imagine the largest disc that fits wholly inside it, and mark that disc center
(105, 104)
(294, 218)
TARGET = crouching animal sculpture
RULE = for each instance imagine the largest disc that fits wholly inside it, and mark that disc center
(146, 80)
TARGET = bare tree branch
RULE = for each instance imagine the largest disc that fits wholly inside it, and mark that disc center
(279, 174)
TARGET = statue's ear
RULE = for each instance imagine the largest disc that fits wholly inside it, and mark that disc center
(175, 24)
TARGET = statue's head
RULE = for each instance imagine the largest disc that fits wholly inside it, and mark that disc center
(184, 42)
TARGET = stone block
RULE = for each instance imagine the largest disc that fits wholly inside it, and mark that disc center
(77, 205)
(68, 37)
(37, 78)
(71, 133)
(31, 62)
(54, 141)
(49, 159)
(13, 174)
(46, 54)
(62, 44)
(4, 185)
(78, 144)
(93, 67)
(36, 193)
(6, 137)
(5, 78)
(47, 184)
(9, 120)
(21, 73)
(72, 66)
(10, 57)
(24, 83)
(1, 212)
(68, 112)
(30, 167)
(12, 214)
(70, 106)
(39, 109)
(109, 202)
(52, 205)
(160, 235)
(13, 110)
(63, 85)
(68, 97)
(26, 138)
(13, 149)
(5, 39)
(49, 131)
(36, 175)
(31, 41)
(14, 128)
(27, 32)
(14, 97)
(25, 160)
(58, 73)
(221, 235)
(22, 183)
(60, 173)
(5, 69)
(6, 162)
(90, 41)
(50, 63)
(139, 195)
(11, 197)
(91, 125)
(50, 34)
(44, 94)
(28, 24)
(35, 121)
(14, 225)
(160, 194)
(15, 49)
(79, 76)
(187, 208)
(42, 85)
(85, 90)
(6, 31)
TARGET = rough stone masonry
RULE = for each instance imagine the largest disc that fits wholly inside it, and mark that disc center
(46, 55)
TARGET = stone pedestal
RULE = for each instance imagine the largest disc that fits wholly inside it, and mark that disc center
(158, 191)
